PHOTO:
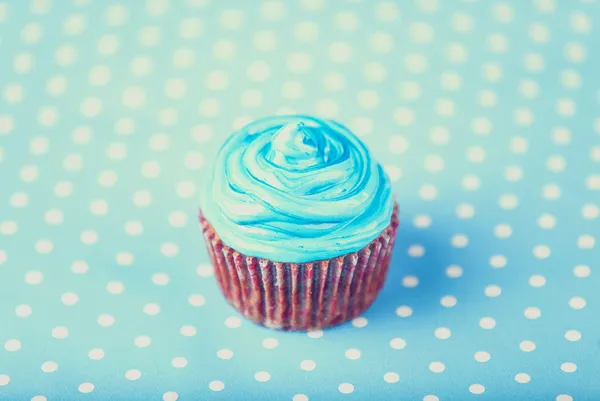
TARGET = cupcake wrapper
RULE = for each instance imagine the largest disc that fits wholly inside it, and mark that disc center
(301, 296)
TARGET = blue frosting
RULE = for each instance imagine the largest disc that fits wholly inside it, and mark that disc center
(296, 189)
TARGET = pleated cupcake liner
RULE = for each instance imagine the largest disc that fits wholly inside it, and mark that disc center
(301, 296)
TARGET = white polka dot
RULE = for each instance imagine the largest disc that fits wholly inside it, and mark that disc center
(428, 192)
(470, 182)
(546, 221)
(397, 343)
(422, 221)
(60, 332)
(421, 32)
(462, 22)
(34, 277)
(205, 270)
(151, 309)
(450, 81)
(209, 108)
(308, 365)
(106, 320)
(142, 341)
(375, 72)
(442, 333)
(532, 312)
(454, 271)
(431, 397)
(99, 207)
(398, 144)
(233, 322)
(487, 323)
(79, 267)
(410, 281)
(352, 353)
(28, 173)
(65, 55)
(8, 227)
(19, 199)
(492, 291)
(577, 303)
(23, 63)
(502, 231)
(476, 154)
(49, 367)
(69, 298)
(346, 388)
(360, 322)
(170, 396)
(482, 356)
(115, 287)
(573, 335)
(561, 135)
(575, 52)
(13, 93)
(262, 376)
(381, 42)
(391, 377)
(23, 310)
(299, 62)
(527, 346)
(39, 398)
(89, 237)
(568, 367)
(216, 385)
(179, 362)
(386, 11)
(459, 241)
(456, 53)
(404, 311)
(410, 90)
(541, 251)
(476, 389)
(4, 379)
(590, 211)
(593, 182)
(224, 49)
(183, 58)
(12, 345)
(196, 300)
(96, 354)
(437, 367)
(190, 28)
(169, 249)
(448, 301)
(586, 241)
(416, 251)
(86, 388)
(315, 333)
(141, 66)
(133, 374)
(581, 271)
(37, 145)
(522, 378)
(225, 353)
(564, 397)
(434, 163)
(537, 281)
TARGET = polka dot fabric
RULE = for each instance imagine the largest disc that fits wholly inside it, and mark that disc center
(484, 114)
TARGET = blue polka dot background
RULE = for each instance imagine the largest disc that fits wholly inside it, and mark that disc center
(483, 113)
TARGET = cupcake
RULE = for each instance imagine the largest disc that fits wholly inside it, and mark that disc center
(299, 222)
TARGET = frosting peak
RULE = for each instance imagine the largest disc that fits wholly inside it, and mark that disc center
(296, 189)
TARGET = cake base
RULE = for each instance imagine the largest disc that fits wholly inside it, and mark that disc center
(301, 296)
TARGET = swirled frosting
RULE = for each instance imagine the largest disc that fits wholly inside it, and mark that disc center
(296, 189)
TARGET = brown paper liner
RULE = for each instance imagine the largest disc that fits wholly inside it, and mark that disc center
(301, 296)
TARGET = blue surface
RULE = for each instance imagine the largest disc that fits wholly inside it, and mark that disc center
(485, 115)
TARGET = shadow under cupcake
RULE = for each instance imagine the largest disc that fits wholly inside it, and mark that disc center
(299, 222)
